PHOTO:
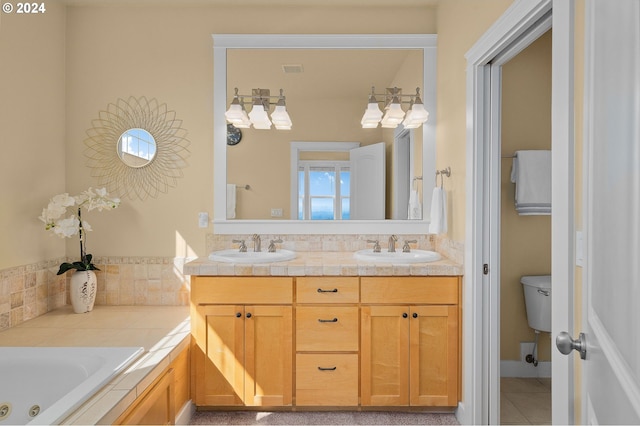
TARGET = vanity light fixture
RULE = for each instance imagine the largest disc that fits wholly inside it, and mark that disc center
(394, 115)
(258, 117)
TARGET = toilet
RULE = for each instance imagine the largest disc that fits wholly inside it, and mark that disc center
(537, 298)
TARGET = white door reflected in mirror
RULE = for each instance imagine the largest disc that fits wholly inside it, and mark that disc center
(136, 147)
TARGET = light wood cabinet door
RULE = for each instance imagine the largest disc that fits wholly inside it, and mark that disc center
(433, 351)
(247, 357)
(219, 355)
(385, 355)
(410, 355)
(268, 355)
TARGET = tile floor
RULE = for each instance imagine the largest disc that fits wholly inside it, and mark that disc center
(525, 401)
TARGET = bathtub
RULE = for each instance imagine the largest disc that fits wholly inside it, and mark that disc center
(45, 385)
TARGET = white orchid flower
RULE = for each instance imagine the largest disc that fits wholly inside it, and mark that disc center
(67, 227)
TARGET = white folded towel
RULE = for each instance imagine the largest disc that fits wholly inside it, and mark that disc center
(531, 172)
(438, 224)
(231, 201)
(415, 206)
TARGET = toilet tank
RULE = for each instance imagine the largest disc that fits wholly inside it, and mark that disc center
(537, 298)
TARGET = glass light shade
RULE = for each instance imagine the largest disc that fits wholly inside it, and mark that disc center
(234, 113)
(372, 116)
(281, 118)
(259, 117)
(393, 116)
(418, 113)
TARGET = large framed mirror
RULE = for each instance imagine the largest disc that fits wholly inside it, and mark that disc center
(262, 162)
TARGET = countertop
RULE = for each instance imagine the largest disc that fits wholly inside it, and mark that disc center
(163, 331)
(318, 263)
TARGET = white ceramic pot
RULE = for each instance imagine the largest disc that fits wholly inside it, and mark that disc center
(82, 291)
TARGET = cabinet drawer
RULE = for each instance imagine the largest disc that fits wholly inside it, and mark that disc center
(241, 290)
(327, 379)
(327, 290)
(412, 290)
(332, 328)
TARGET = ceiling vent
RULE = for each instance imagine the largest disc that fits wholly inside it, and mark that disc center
(292, 69)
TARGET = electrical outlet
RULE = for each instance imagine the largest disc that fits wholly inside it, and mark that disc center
(203, 220)
(276, 212)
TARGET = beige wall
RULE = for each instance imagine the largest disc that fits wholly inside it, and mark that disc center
(32, 131)
(108, 57)
(460, 24)
(525, 240)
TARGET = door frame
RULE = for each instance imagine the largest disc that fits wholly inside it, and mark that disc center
(481, 298)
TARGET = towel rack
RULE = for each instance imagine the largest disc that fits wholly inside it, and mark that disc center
(247, 187)
(444, 172)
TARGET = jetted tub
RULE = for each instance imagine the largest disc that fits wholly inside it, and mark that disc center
(45, 385)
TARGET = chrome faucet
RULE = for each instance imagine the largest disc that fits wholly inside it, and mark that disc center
(376, 245)
(406, 248)
(257, 243)
(243, 247)
(272, 245)
(392, 243)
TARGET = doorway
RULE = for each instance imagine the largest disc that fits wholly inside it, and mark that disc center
(518, 27)
(525, 239)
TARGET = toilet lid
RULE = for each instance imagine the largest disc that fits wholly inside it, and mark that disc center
(539, 281)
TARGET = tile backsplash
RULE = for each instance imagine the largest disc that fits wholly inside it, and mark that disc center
(32, 290)
(341, 242)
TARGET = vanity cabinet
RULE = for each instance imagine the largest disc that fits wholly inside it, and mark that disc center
(410, 341)
(242, 351)
(325, 341)
(327, 330)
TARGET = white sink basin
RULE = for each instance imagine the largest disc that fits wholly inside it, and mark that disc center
(235, 256)
(415, 256)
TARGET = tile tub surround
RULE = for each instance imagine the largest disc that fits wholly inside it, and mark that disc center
(163, 331)
(29, 291)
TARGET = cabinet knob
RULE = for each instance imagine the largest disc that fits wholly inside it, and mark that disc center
(238, 314)
(405, 315)
(415, 315)
(248, 314)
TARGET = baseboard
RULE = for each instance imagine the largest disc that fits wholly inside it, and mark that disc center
(185, 414)
(524, 369)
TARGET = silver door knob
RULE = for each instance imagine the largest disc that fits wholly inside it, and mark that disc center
(566, 344)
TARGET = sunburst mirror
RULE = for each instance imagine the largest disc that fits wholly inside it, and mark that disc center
(137, 148)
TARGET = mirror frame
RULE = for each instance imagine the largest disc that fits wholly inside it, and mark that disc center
(222, 42)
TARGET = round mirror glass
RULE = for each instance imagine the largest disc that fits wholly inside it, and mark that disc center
(136, 148)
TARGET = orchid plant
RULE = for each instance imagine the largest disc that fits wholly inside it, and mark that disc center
(56, 219)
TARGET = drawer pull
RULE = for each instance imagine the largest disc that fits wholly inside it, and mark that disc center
(335, 290)
(325, 320)
(327, 368)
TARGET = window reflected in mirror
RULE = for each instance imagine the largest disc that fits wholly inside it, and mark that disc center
(136, 147)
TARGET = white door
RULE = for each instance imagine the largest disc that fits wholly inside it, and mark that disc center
(402, 174)
(611, 370)
(367, 181)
